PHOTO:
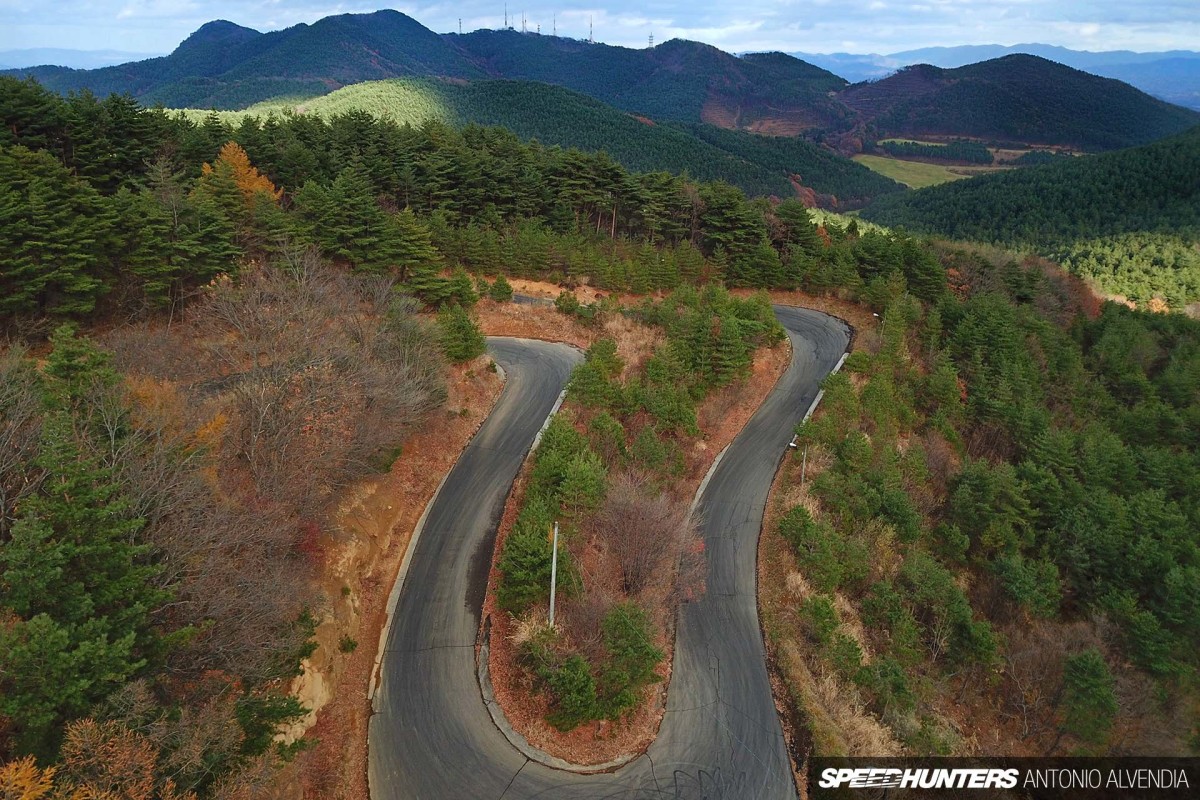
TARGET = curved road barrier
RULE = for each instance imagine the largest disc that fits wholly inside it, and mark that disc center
(431, 735)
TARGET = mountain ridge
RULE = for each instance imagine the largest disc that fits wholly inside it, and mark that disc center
(225, 65)
(1017, 98)
(1180, 84)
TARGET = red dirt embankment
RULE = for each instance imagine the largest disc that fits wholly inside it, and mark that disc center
(375, 520)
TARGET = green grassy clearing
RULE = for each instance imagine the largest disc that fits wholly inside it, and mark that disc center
(914, 174)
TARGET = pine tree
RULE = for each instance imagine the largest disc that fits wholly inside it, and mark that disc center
(1089, 700)
(81, 590)
(55, 233)
(461, 338)
(232, 166)
(407, 245)
(501, 290)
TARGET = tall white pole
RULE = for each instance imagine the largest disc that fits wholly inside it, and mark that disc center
(553, 573)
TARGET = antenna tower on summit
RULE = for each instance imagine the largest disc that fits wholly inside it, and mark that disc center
(591, 38)
(651, 38)
(554, 23)
(506, 16)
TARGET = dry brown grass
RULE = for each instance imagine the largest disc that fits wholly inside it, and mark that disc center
(837, 711)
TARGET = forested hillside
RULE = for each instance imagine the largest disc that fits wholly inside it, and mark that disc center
(1013, 99)
(223, 65)
(1000, 496)
(759, 165)
(1094, 202)
(678, 80)
(1017, 98)
(1008, 498)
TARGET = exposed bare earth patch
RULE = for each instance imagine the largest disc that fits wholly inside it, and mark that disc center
(375, 525)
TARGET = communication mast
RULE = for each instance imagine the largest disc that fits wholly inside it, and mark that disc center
(554, 22)
(591, 39)
(506, 16)
(651, 38)
(460, 26)
(524, 29)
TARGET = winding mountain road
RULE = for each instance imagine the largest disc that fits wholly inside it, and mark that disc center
(431, 735)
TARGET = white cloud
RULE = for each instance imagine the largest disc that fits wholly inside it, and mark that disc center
(813, 25)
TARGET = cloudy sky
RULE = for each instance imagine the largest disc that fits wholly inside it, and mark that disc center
(860, 26)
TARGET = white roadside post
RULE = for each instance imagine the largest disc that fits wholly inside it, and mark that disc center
(553, 573)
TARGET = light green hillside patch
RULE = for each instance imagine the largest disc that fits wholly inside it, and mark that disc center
(914, 174)
(405, 101)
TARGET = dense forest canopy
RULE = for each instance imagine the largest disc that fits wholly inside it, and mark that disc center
(759, 165)
(1150, 192)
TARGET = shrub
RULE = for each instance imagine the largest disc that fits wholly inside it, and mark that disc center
(655, 454)
(632, 658)
(460, 335)
(567, 303)
(501, 290)
(1089, 699)
(665, 395)
(819, 618)
(574, 691)
(887, 680)
(607, 438)
(594, 382)
(525, 560)
(583, 484)
(1033, 583)
(817, 547)
(560, 444)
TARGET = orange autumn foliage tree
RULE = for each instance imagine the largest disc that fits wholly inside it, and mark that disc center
(101, 761)
(245, 175)
(24, 780)
(232, 173)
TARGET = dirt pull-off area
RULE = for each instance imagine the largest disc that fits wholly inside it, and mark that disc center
(374, 524)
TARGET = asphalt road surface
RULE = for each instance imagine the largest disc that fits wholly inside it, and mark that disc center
(431, 735)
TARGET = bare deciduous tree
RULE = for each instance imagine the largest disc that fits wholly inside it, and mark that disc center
(646, 533)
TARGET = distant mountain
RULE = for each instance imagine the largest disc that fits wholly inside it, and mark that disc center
(759, 165)
(854, 67)
(1173, 75)
(678, 79)
(1079, 59)
(223, 65)
(1017, 98)
(76, 59)
(1176, 80)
